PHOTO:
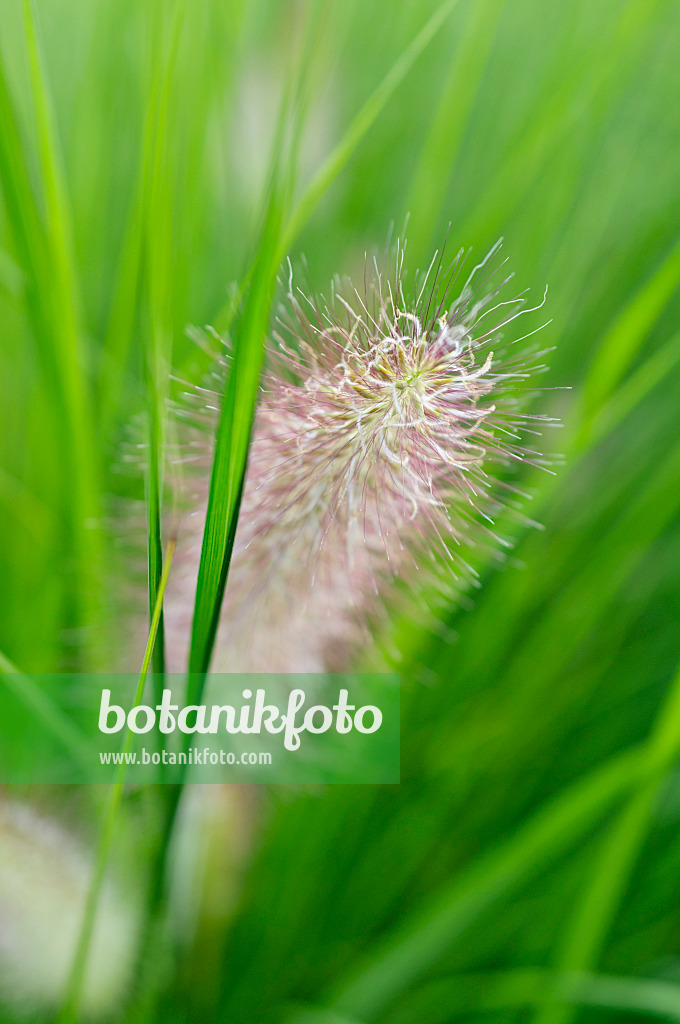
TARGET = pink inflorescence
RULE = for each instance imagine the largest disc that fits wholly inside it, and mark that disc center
(386, 424)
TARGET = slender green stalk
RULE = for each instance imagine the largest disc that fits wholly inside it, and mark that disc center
(158, 253)
(71, 1006)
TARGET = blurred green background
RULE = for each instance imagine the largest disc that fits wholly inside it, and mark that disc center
(528, 866)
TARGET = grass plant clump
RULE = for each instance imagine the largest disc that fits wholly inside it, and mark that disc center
(159, 163)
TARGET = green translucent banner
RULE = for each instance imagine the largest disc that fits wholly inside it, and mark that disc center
(262, 729)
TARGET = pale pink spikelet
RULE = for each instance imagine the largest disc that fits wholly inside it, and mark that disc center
(387, 421)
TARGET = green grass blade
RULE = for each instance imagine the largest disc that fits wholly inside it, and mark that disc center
(157, 250)
(21, 208)
(627, 396)
(438, 155)
(417, 944)
(464, 994)
(238, 407)
(567, 620)
(581, 945)
(34, 698)
(361, 124)
(122, 317)
(33, 514)
(145, 275)
(70, 1008)
(343, 152)
(231, 448)
(57, 276)
(630, 329)
(589, 88)
(56, 203)
(632, 995)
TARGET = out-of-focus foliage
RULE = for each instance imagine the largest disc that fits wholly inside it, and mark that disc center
(528, 867)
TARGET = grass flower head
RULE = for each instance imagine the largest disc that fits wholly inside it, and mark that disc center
(388, 419)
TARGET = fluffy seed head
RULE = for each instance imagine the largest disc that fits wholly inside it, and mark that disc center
(388, 417)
